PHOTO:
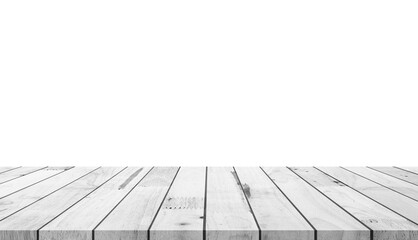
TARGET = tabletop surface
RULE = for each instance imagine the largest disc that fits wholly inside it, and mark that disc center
(208, 203)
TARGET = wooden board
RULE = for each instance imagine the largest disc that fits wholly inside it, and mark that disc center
(181, 215)
(228, 215)
(410, 169)
(18, 184)
(330, 221)
(208, 203)
(6, 169)
(404, 174)
(28, 196)
(131, 219)
(404, 206)
(79, 221)
(275, 214)
(19, 172)
(385, 223)
(395, 184)
(24, 225)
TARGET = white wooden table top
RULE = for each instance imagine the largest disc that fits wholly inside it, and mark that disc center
(208, 203)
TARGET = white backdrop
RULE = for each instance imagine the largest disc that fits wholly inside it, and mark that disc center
(208, 82)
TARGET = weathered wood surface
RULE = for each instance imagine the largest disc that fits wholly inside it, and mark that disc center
(214, 203)
(28, 180)
(25, 224)
(28, 196)
(406, 174)
(131, 219)
(181, 215)
(402, 205)
(385, 223)
(19, 172)
(275, 214)
(387, 181)
(6, 169)
(79, 221)
(228, 214)
(330, 221)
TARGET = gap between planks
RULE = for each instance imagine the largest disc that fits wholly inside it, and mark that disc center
(250, 203)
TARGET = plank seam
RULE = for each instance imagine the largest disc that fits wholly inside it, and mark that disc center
(205, 204)
(161, 204)
(49, 194)
(393, 176)
(37, 231)
(22, 175)
(297, 209)
(405, 170)
(248, 202)
(365, 225)
(35, 183)
(380, 184)
(10, 169)
(92, 233)
(368, 197)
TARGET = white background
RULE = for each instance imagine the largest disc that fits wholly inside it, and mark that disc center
(152, 82)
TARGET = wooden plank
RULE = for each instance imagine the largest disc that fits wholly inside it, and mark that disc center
(79, 221)
(275, 214)
(405, 206)
(20, 172)
(8, 188)
(6, 169)
(181, 215)
(131, 219)
(395, 184)
(26, 223)
(27, 196)
(228, 215)
(330, 221)
(399, 173)
(411, 169)
(386, 224)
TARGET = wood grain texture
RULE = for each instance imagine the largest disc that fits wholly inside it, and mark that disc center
(395, 184)
(131, 219)
(79, 221)
(181, 215)
(405, 206)
(275, 214)
(10, 187)
(330, 221)
(27, 196)
(24, 224)
(216, 203)
(20, 172)
(386, 224)
(405, 175)
(228, 215)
